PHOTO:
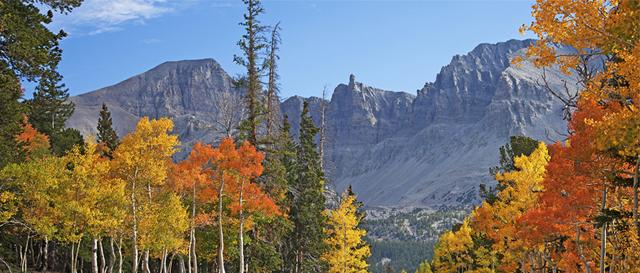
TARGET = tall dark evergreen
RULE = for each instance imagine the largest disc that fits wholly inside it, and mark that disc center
(50, 107)
(252, 44)
(29, 51)
(106, 134)
(11, 115)
(307, 202)
(268, 252)
(49, 110)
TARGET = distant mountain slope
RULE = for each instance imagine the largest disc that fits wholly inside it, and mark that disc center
(396, 149)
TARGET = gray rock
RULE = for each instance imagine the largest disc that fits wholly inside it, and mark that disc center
(396, 149)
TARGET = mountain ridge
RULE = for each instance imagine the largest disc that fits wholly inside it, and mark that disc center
(396, 149)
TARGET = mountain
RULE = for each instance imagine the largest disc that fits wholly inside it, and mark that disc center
(434, 149)
(185, 91)
(396, 149)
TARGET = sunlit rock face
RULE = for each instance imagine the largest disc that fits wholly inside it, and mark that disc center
(396, 149)
(434, 149)
(185, 91)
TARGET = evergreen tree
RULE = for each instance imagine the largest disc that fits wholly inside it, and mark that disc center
(11, 114)
(49, 110)
(252, 45)
(63, 141)
(29, 51)
(358, 204)
(106, 134)
(267, 253)
(307, 202)
(50, 106)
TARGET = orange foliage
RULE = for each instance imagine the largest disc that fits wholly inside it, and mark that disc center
(571, 199)
(34, 142)
(198, 178)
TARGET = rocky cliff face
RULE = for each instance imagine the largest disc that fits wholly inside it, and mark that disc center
(185, 91)
(434, 149)
(396, 149)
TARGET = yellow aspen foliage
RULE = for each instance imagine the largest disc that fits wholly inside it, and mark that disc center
(499, 221)
(164, 224)
(453, 252)
(424, 267)
(143, 160)
(144, 155)
(33, 183)
(347, 251)
(93, 202)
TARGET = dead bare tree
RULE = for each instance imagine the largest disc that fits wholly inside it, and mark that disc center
(273, 104)
(230, 111)
(585, 71)
(323, 110)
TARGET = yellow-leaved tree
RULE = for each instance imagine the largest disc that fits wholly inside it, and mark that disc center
(91, 202)
(453, 252)
(142, 160)
(347, 251)
(488, 240)
(498, 221)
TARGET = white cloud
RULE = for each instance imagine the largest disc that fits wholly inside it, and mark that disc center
(99, 16)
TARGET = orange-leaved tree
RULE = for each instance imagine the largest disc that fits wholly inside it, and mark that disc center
(234, 169)
(193, 179)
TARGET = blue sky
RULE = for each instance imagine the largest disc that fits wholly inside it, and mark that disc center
(394, 45)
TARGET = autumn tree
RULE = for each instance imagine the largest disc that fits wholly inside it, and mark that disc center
(452, 253)
(142, 160)
(33, 207)
(193, 179)
(424, 267)
(603, 31)
(93, 201)
(517, 146)
(34, 143)
(347, 251)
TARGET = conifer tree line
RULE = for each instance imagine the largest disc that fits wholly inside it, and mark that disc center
(253, 203)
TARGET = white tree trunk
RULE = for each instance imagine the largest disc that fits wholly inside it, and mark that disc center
(94, 256)
(220, 230)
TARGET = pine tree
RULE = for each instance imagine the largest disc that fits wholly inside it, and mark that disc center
(49, 110)
(11, 115)
(29, 51)
(252, 44)
(106, 134)
(307, 202)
